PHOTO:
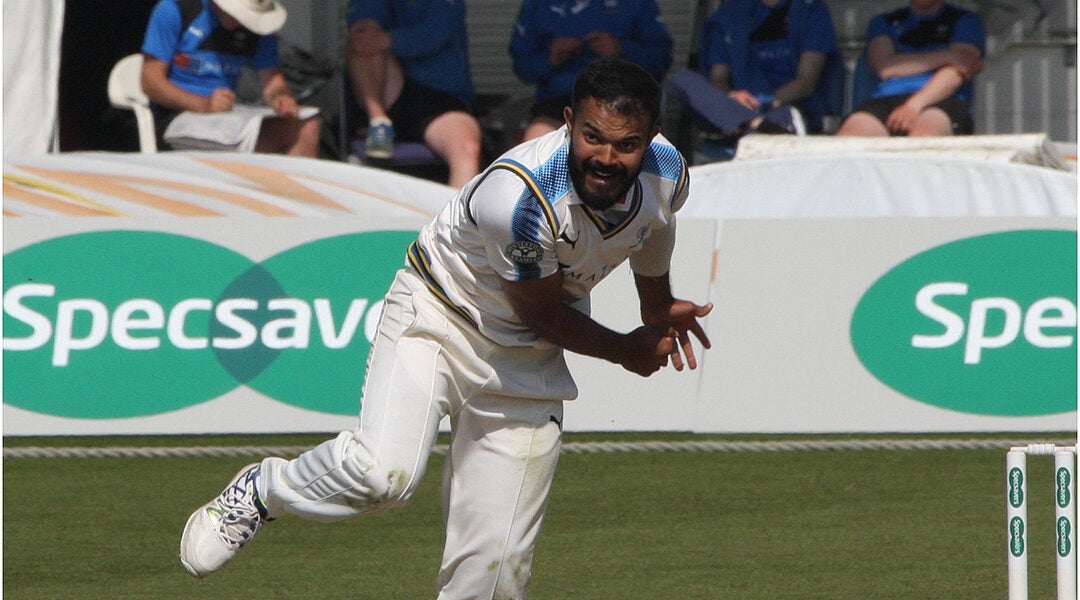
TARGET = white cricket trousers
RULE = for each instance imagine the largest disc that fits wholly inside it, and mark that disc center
(505, 408)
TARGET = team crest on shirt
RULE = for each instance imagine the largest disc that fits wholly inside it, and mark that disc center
(524, 252)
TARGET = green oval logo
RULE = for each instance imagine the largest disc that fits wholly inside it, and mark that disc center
(1064, 487)
(1016, 537)
(1064, 533)
(984, 325)
(1016, 487)
(120, 324)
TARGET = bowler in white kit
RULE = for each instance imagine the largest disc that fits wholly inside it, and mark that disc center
(474, 327)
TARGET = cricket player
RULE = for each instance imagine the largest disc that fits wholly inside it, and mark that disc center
(495, 288)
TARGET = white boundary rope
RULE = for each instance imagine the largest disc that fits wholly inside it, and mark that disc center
(568, 448)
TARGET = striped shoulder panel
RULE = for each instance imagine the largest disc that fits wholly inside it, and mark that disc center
(547, 183)
(664, 161)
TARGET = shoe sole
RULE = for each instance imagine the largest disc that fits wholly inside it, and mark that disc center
(378, 154)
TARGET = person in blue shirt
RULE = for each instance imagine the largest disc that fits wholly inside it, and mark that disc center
(553, 40)
(408, 65)
(925, 55)
(762, 64)
(194, 52)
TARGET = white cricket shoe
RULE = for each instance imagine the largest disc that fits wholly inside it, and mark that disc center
(216, 531)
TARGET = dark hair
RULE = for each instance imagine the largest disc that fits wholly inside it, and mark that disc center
(622, 85)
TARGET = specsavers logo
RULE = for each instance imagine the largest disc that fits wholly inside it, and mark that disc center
(130, 323)
(983, 325)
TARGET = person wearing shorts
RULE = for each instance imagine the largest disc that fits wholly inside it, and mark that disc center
(408, 66)
(193, 54)
(419, 105)
(957, 111)
(925, 55)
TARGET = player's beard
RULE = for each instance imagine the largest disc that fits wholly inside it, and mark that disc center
(608, 185)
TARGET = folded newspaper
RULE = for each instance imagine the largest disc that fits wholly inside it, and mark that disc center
(236, 130)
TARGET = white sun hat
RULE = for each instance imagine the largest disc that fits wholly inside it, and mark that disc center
(259, 16)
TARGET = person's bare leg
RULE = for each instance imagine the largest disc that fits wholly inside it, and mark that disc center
(307, 138)
(862, 124)
(374, 72)
(456, 137)
(931, 122)
(294, 137)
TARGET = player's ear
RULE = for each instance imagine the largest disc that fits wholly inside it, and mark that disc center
(568, 116)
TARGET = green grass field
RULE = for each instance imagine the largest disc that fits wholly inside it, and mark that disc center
(871, 524)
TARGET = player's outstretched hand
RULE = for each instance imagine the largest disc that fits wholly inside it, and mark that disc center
(683, 318)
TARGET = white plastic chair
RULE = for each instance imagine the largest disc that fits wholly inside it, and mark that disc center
(125, 91)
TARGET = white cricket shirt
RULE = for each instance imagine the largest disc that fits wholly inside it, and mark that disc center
(521, 219)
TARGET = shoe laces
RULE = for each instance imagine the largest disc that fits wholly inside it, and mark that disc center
(240, 519)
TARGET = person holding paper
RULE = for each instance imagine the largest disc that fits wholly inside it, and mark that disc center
(195, 51)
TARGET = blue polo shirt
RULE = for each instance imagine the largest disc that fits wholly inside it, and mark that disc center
(637, 24)
(762, 45)
(204, 56)
(910, 33)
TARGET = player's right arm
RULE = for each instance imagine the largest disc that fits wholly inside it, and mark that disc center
(942, 85)
(541, 305)
(888, 63)
(156, 84)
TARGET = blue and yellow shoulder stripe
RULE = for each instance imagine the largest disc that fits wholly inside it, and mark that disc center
(665, 161)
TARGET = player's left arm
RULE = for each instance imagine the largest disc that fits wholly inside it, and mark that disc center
(807, 73)
(815, 41)
(660, 307)
(651, 266)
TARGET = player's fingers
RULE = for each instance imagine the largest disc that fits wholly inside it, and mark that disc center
(701, 311)
(676, 359)
(688, 353)
(686, 346)
(700, 334)
(673, 341)
(894, 124)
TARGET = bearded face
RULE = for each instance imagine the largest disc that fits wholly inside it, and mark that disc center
(606, 149)
(599, 185)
